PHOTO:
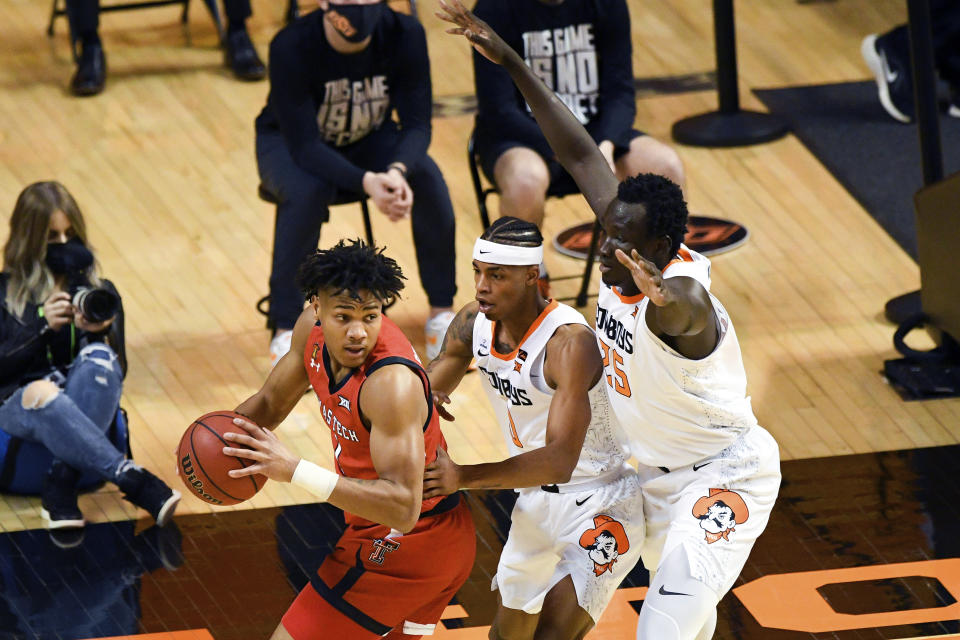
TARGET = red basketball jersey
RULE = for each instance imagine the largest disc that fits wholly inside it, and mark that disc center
(340, 404)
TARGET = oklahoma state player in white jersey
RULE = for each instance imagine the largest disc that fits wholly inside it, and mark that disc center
(577, 526)
(673, 369)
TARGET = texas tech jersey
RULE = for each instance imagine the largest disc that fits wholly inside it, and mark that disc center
(521, 397)
(674, 411)
(340, 404)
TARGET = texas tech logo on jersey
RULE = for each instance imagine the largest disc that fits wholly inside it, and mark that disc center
(381, 547)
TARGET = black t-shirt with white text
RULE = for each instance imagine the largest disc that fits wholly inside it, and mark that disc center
(322, 100)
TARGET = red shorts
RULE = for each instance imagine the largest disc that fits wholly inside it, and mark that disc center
(372, 585)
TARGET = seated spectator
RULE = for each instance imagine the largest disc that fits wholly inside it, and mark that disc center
(61, 356)
(581, 50)
(888, 56)
(91, 74)
(336, 77)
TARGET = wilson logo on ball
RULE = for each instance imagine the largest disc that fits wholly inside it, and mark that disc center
(191, 479)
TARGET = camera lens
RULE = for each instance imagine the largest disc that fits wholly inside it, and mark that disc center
(96, 305)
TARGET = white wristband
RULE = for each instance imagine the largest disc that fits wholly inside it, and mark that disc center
(314, 479)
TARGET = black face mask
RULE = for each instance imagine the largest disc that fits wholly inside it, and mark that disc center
(68, 257)
(355, 22)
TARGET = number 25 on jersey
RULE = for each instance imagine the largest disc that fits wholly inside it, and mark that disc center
(613, 361)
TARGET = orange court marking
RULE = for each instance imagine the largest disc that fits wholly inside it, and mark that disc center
(192, 634)
(791, 601)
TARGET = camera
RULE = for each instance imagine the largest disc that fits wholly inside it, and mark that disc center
(97, 304)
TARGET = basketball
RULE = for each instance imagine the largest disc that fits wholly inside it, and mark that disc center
(203, 467)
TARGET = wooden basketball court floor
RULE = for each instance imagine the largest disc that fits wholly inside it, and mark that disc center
(162, 165)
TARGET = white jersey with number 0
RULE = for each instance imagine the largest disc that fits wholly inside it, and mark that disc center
(521, 397)
(674, 411)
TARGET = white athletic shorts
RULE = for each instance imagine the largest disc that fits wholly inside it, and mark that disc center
(716, 508)
(592, 532)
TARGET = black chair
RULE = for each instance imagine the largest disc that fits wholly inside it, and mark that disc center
(60, 9)
(343, 197)
(554, 191)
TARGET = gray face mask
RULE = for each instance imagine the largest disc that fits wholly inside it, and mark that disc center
(355, 22)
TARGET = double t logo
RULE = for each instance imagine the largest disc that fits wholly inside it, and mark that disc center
(381, 546)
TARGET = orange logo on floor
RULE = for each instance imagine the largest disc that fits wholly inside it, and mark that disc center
(719, 513)
(604, 543)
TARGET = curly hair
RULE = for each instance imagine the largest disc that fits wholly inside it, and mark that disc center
(664, 204)
(351, 266)
(514, 232)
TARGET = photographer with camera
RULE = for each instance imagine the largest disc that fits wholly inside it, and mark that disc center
(62, 357)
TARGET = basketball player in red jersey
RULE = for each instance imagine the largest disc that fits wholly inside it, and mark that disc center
(402, 558)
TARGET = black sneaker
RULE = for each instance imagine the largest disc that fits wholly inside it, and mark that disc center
(241, 56)
(147, 491)
(953, 110)
(891, 68)
(58, 500)
(91, 75)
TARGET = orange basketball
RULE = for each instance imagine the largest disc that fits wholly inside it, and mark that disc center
(203, 467)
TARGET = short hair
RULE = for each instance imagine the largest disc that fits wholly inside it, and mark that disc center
(663, 201)
(514, 232)
(351, 266)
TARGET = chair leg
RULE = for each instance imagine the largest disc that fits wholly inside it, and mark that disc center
(53, 16)
(185, 12)
(215, 14)
(588, 271)
(366, 221)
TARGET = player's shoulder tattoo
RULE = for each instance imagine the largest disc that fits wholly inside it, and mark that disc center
(462, 325)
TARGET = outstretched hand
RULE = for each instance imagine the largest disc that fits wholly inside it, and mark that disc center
(439, 399)
(481, 36)
(271, 458)
(647, 277)
(441, 477)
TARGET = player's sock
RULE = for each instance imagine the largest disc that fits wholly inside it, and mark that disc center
(677, 605)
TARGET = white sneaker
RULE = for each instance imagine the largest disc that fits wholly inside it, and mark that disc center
(435, 331)
(279, 346)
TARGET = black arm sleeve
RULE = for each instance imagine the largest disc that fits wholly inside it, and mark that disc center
(22, 341)
(618, 105)
(294, 108)
(412, 95)
(497, 102)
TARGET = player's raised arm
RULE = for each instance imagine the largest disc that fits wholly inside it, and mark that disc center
(286, 383)
(575, 149)
(448, 368)
(389, 402)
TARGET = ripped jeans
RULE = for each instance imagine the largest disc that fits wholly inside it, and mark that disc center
(74, 424)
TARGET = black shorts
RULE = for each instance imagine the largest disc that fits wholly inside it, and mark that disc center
(489, 151)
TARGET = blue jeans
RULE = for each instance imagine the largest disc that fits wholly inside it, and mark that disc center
(74, 425)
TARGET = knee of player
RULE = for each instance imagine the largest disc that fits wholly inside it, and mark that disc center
(39, 394)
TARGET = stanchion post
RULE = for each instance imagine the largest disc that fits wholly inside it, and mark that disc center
(729, 126)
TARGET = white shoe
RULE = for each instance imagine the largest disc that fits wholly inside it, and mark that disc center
(279, 346)
(435, 331)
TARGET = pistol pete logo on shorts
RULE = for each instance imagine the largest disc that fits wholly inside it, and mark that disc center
(604, 543)
(719, 513)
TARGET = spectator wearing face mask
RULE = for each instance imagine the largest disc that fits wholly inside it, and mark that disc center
(61, 357)
(337, 76)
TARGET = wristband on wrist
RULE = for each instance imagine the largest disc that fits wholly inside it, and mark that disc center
(399, 167)
(314, 479)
